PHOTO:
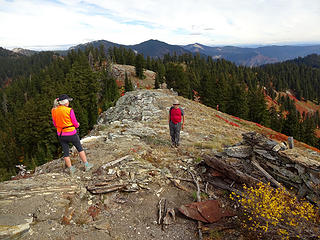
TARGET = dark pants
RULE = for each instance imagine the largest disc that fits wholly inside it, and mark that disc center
(65, 140)
(175, 132)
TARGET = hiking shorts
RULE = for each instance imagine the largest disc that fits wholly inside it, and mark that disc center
(65, 140)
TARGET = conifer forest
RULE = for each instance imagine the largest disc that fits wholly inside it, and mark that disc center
(29, 86)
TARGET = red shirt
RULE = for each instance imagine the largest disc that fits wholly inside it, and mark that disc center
(175, 115)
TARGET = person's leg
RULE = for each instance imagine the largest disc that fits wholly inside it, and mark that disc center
(172, 132)
(64, 140)
(67, 161)
(83, 156)
(177, 134)
(76, 142)
(65, 149)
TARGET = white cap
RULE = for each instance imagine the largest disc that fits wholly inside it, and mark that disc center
(176, 102)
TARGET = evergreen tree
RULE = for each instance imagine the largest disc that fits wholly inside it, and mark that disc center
(177, 79)
(109, 90)
(238, 102)
(276, 119)
(308, 130)
(127, 83)
(207, 89)
(157, 82)
(257, 107)
(291, 124)
(139, 66)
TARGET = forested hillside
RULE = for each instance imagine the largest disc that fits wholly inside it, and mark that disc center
(312, 60)
(27, 134)
(300, 75)
(14, 65)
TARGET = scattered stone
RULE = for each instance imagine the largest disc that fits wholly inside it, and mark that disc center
(14, 225)
(241, 151)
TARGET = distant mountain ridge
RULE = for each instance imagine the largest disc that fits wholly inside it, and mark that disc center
(255, 56)
(151, 48)
(239, 55)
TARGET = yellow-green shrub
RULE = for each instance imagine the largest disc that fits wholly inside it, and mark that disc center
(275, 212)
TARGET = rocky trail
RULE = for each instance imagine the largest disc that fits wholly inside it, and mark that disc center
(136, 173)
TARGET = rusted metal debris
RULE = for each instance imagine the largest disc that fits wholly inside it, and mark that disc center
(207, 211)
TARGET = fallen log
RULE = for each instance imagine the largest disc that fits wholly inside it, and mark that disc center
(265, 173)
(222, 185)
(229, 171)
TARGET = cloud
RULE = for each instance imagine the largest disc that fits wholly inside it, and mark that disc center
(64, 22)
(208, 29)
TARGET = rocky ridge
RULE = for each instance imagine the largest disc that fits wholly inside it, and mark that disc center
(134, 168)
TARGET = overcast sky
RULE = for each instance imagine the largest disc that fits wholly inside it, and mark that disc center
(36, 24)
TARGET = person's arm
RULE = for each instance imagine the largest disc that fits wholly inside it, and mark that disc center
(54, 123)
(182, 113)
(73, 119)
(182, 122)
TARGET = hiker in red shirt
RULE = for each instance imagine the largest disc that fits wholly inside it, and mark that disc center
(176, 114)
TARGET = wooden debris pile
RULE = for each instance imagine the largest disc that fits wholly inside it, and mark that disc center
(258, 158)
(123, 174)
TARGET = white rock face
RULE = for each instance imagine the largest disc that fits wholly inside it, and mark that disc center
(134, 106)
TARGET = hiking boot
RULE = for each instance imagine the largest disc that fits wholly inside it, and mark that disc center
(72, 171)
(88, 166)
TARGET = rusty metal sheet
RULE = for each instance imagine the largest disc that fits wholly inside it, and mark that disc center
(191, 211)
(207, 211)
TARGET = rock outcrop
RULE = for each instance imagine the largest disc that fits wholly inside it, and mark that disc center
(135, 106)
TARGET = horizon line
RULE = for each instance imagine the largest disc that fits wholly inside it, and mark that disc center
(63, 47)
